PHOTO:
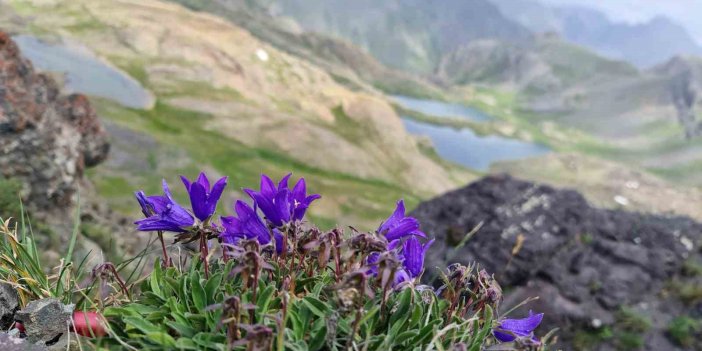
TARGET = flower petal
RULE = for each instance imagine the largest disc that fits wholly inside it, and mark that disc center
(214, 196)
(300, 190)
(282, 205)
(202, 180)
(198, 201)
(283, 183)
(394, 218)
(186, 183)
(405, 226)
(524, 326)
(267, 186)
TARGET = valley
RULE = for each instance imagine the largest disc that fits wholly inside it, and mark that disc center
(256, 106)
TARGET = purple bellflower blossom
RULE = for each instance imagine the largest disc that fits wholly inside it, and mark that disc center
(398, 225)
(299, 200)
(402, 232)
(246, 225)
(413, 253)
(203, 199)
(163, 213)
(146, 207)
(511, 329)
(279, 204)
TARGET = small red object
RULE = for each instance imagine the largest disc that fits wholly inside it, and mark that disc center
(89, 324)
(20, 327)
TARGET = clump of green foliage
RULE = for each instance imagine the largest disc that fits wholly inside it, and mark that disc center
(588, 339)
(10, 189)
(685, 331)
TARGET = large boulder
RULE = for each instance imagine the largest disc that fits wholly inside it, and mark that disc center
(47, 139)
(598, 272)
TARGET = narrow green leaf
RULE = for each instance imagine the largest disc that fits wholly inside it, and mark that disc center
(317, 307)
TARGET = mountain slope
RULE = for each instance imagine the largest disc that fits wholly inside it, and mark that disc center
(407, 34)
(347, 63)
(546, 64)
(237, 106)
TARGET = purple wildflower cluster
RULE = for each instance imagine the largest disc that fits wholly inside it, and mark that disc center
(402, 233)
(277, 210)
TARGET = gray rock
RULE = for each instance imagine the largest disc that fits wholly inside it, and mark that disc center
(9, 304)
(11, 343)
(69, 343)
(586, 264)
(45, 320)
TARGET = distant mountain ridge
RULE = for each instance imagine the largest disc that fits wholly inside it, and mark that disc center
(412, 35)
(643, 44)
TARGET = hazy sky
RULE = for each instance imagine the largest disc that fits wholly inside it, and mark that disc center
(685, 12)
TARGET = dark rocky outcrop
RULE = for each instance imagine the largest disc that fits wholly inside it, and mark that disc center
(595, 270)
(47, 139)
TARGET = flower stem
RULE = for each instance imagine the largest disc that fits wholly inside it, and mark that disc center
(166, 260)
(204, 254)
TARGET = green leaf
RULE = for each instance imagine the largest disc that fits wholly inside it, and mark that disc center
(183, 330)
(426, 332)
(317, 338)
(155, 279)
(404, 336)
(141, 324)
(212, 286)
(317, 307)
(479, 340)
(264, 300)
(161, 338)
(186, 344)
(198, 292)
(403, 307)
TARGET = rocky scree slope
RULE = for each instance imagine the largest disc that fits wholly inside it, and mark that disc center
(594, 270)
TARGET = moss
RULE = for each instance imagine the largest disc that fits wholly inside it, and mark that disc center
(627, 341)
(690, 293)
(632, 321)
(692, 268)
(589, 339)
(684, 330)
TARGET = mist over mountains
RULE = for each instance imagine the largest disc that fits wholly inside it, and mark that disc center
(643, 44)
(416, 35)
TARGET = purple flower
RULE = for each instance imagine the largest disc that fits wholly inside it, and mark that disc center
(278, 236)
(511, 329)
(144, 203)
(279, 204)
(401, 278)
(203, 199)
(247, 225)
(413, 255)
(299, 199)
(273, 202)
(398, 225)
(163, 213)
(372, 263)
